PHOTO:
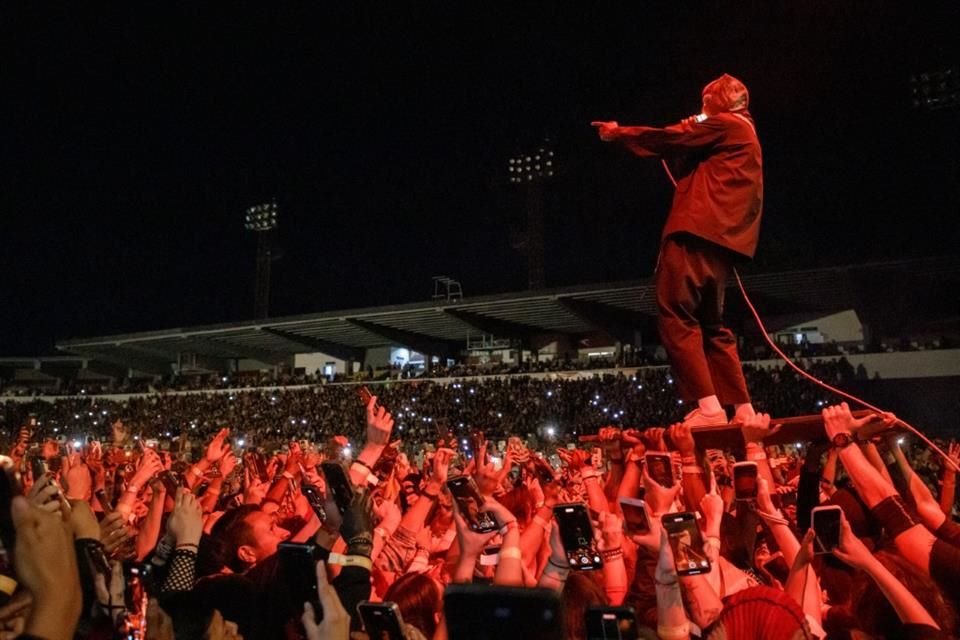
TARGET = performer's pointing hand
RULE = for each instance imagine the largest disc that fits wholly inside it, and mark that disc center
(607, 130)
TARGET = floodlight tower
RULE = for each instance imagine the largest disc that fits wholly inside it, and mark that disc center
(262, 220)
(532, 169)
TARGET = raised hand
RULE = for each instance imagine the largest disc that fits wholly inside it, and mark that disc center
(851, 550)
(218, 447)
(682, 438)
(659, 499)
(574, 459)
(379, 424)
(186, 520)
(45, 494)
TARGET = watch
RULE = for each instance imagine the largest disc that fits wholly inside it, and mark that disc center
(842, 440)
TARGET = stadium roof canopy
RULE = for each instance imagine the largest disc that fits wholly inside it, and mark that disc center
(885, 294)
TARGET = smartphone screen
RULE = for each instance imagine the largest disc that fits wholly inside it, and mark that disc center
(315, 498)
(826, 525)
(660, 468)
(381, 620)
(9, 488)
(469, 501)
(297, 566)
(635, 520)
(686, 541)
(484, 612)
(339, 484)
(611, 623)
(576, 533)
(38, 467)
(745, 480)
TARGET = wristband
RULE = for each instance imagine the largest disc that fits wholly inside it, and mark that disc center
(364, 470)
(687, 468)
(432, 496)
(612, 554)
(588, 473)
(132, 488)
(350, 561)
(688, 460)
(363, 464)
(542, 522)
(193, 469)
(757, 456)
(510, 553)
(286, 474)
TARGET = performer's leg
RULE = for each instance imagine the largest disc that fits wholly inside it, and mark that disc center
(719, 343)
(678, 298)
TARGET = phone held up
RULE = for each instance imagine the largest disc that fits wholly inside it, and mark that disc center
(339, 484)
(576, 533)
(635, 520)
(469, 503)
(745, 480)
(660, 467)
(482, 612)
(381, 620)
(686, 542)
(825, 521)
(611, 623)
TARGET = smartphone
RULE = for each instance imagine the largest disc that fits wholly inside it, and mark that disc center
(315, 498)
(686, 541)
(381, 620)
(38, 467)
(469, 501)
(660, 467)
(483, 612)
(635, 521)
(104, 501)
(825, 521)
(339, 484)
(364, 394)
(297, 566)
(611, 623)
(745, 480)
(576, 533)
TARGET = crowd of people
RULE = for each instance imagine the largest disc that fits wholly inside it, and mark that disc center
(519, 405)
(285, 514)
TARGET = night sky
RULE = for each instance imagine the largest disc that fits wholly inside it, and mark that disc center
(133, 141)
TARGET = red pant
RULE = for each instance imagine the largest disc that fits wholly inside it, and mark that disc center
(691, 278)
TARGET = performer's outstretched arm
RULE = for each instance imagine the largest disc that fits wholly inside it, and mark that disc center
(668, 141)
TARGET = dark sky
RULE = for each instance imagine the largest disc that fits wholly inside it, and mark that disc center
(133, 140)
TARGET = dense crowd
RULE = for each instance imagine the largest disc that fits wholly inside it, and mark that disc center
(518, 405)
(307, 514)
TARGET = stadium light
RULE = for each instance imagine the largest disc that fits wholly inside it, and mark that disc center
(261, 217)
(262, 220)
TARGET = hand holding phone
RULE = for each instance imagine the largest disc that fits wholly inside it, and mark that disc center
(660, 467)
(745, 480)
(381, 620)
(611, 623)
(339, 484)
(686, 542)
(825, 521)
(577, 535)
(469, 503)
(635, 520)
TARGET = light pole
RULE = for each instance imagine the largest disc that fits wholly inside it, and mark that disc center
(262, 220)
(533, 169)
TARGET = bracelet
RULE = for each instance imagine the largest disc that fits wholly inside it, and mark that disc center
(715, 539)
(193, 469)
(558, 566)
(187, 544)
(687, 468)
(542, 522)
(510, 553)
(363, 464)
(688, 460)
(507, 526)
(432, 496)
(132, 488)
(757, 456)
(612, 554)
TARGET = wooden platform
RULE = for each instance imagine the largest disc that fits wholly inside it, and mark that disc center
(795, 429)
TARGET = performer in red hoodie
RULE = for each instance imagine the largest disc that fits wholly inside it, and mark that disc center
(714, 223)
